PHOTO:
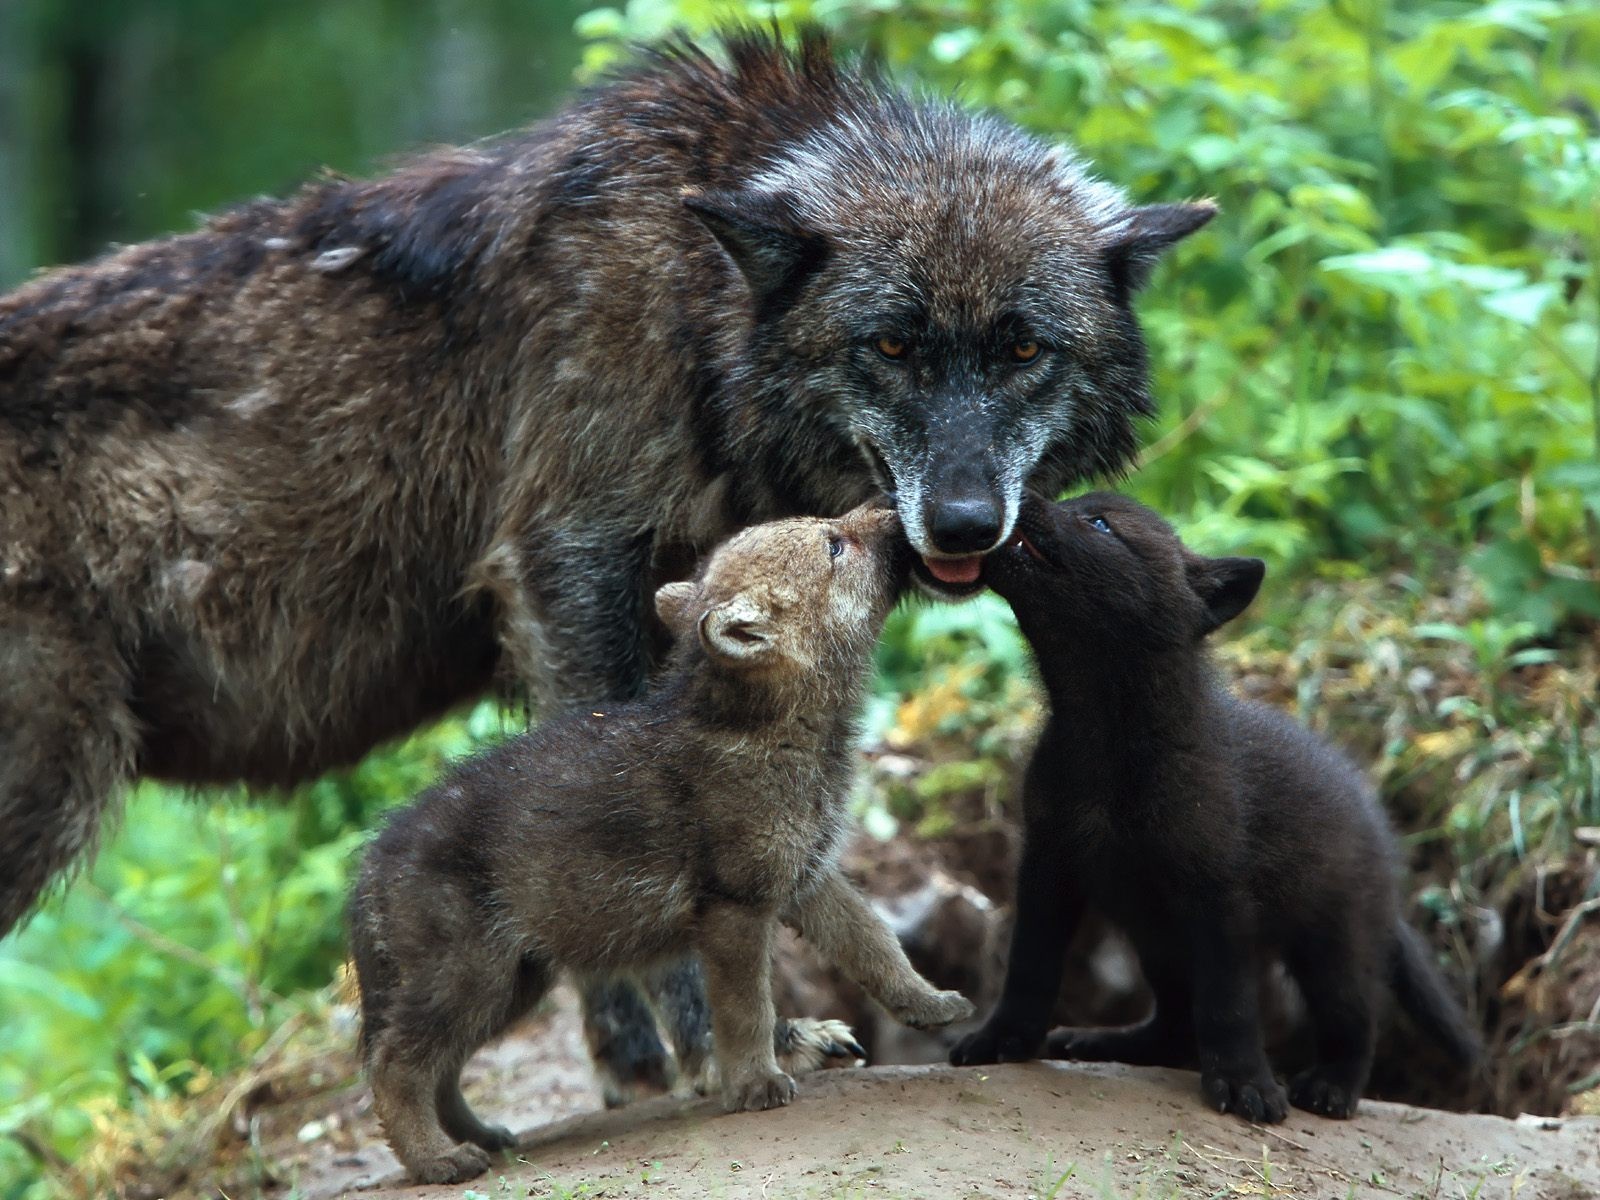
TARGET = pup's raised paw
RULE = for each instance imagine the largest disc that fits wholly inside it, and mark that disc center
(805, 1044)
(933, 1009)
(462, 1162)
(1316, 1093)
(995, 1043)
(1260, 1100)
(762, 1092)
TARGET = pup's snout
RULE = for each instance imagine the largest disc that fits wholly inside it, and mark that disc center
(876, 518)
(965, 525)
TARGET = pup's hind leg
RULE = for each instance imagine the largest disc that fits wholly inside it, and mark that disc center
(1339, 979)
(447, 1006)
(68, 744)
(532, 981)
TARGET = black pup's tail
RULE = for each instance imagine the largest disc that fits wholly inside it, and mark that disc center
(1422, 992)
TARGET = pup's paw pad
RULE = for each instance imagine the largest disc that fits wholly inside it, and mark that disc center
(460, 1163)
(762, 1092)
(993, 1044)
(1260, 1100)
(1314, 1093)
(806, 1044)
(935, 1009)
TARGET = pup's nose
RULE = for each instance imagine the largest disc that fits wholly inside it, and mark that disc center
(969, 525)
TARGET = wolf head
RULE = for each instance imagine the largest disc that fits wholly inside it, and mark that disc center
(1103, 575)
(789, 601)
(956, 296)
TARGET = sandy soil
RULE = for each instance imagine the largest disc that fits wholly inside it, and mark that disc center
(1035, 1130)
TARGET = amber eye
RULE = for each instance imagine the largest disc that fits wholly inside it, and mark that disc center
(1025, 350)
(890, 347)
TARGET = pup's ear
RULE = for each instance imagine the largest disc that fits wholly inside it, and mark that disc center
(673, 602)
(762, 235)
(1225, 586)
(1141, 235)
(739, 632)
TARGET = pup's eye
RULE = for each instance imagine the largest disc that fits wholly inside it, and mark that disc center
(835, 547)
(890, 347)
(1025, 350)
(1100, 524)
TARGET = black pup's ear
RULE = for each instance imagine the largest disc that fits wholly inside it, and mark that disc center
(1143, 234)
(1225, 586)
(762, 235)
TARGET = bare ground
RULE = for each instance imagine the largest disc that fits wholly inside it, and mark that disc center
(1034, 1130)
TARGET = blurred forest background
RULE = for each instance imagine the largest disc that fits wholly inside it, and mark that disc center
(1379, 369)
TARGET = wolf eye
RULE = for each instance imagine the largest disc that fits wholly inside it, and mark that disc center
(1025, 350)
(890, 347)
(1100, 524)
(835, 547)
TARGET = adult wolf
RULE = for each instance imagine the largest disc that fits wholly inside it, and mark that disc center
(280, 489)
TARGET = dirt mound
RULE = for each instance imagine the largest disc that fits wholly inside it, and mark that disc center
(1039, 1130)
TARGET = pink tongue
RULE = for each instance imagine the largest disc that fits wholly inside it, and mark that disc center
(954, 570)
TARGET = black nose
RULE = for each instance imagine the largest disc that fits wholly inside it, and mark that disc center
(969, 525)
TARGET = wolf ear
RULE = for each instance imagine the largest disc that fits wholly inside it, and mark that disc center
(738, 633)
(762, 236)
(1143, 234)
(673, 601)
(1225, 586)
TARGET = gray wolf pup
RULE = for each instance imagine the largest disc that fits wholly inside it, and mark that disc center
(283, 488)
(1220, 835)
(693, 819)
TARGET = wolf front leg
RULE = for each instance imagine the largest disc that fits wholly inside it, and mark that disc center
(1047, 910)
(835, 918)
(571, 604)
(735, 944)
(1234, 1073)
(68, 744)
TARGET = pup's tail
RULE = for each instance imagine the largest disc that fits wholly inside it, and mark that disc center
(1422, 992)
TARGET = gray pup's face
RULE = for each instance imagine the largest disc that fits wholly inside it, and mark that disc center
(957, 301)
(792, 598)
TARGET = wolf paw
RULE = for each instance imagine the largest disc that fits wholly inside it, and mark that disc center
(995, 1043)
(1316, 1093)
(462, 1162)
(762, 1092)
(805, 1044)
(934, 1009)
(1260, 1100)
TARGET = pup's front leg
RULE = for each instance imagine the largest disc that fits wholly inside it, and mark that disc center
(735, 947)
(1234, 1073)
(835, 918)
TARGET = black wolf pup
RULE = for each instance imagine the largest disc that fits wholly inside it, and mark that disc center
(616, 841)
(1218, 834)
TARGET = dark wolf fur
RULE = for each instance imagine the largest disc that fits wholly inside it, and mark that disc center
(1216, 832)
(275, 491)
(618, 840)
